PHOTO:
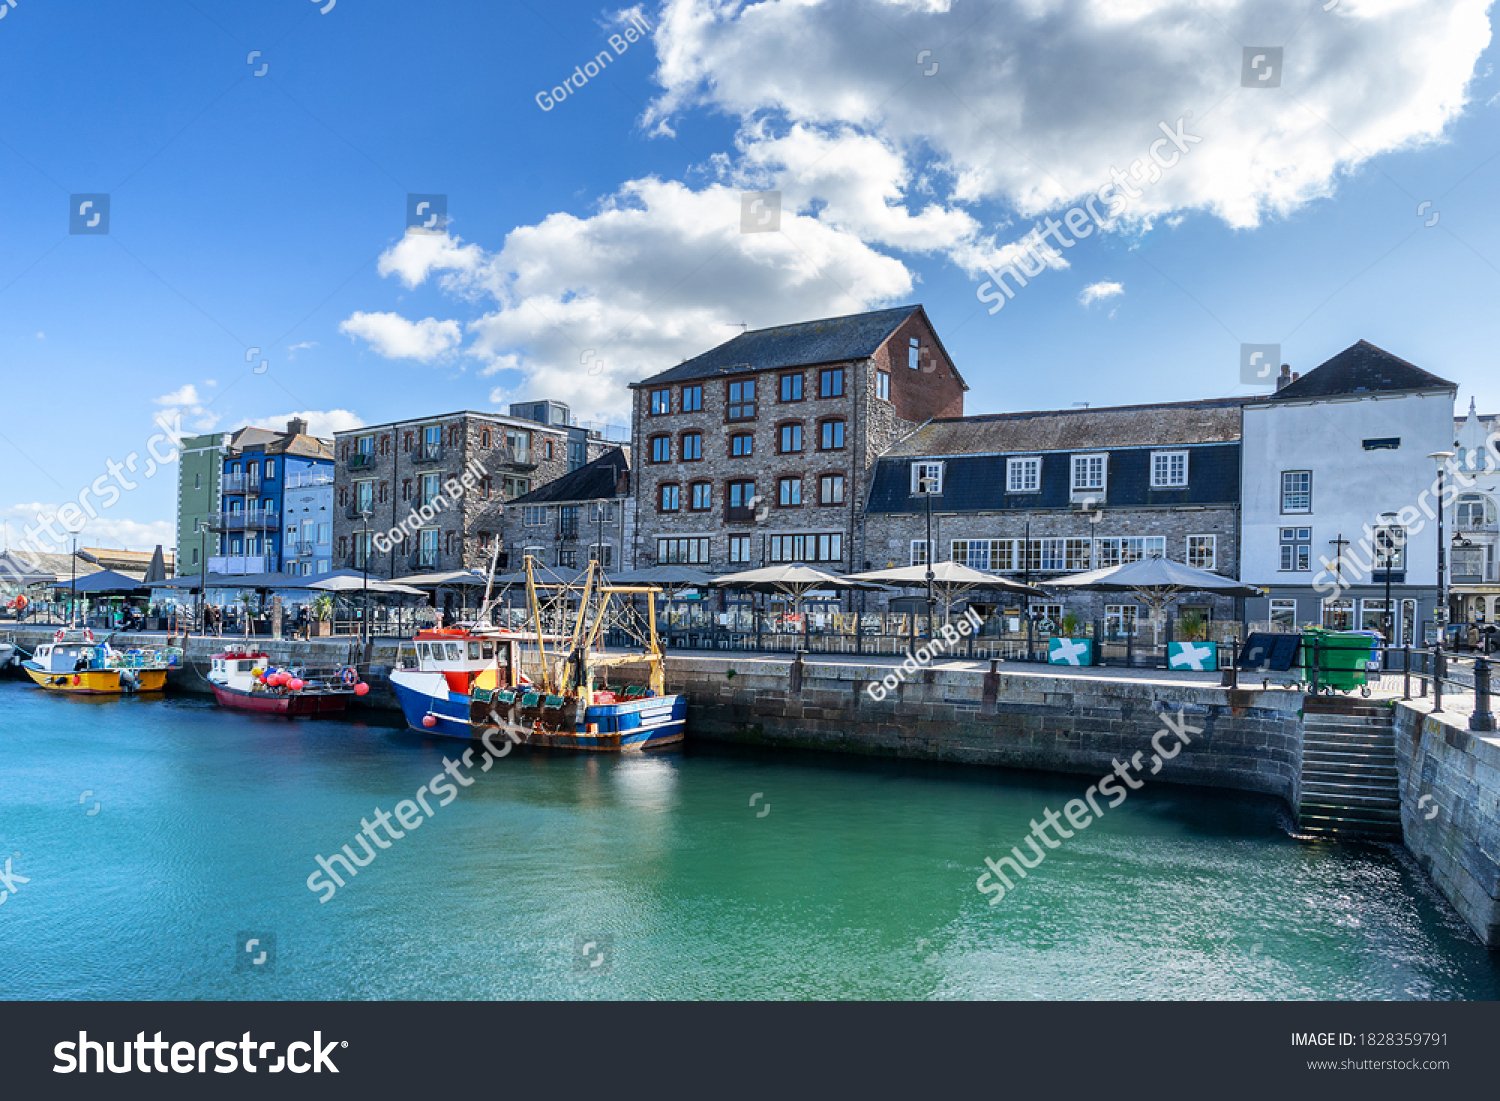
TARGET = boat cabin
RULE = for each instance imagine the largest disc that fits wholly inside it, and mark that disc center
(68, 657)
(461, 655)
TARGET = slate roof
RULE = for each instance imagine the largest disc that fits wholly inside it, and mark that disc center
(591, 482)
(1215, 420)
(1361, 368)
(830, 340)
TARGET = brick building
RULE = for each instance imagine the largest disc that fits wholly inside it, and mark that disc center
(1037, 495)
(384, 474)
(759, 451)
(585, 515)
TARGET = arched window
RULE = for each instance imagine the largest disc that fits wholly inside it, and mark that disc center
(1476, 512)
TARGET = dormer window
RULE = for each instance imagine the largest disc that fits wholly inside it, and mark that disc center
(927, 479)
(1169, 469)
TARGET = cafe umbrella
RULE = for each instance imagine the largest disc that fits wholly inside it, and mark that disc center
(793, 581)
(1155, 582)
(950, 580)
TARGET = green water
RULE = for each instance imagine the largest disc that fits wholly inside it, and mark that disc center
(858, 882)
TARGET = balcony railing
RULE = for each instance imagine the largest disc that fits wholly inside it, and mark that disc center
(354, 509)
(522, 458)
(427, 453)
(241, 483)
(250, 518)
(568, 531)
(305, 478)
(361, 459)
(239, 564)
(423, 560)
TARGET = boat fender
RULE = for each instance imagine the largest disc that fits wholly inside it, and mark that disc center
(349, 676)
(77, 679)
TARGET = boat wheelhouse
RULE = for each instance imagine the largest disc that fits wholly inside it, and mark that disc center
(75, 661)
(246, 681)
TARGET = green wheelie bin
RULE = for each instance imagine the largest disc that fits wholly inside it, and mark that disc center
(1341, 658)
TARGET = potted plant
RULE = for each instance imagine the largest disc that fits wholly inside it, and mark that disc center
(1065, 648)
(1193, 626)
(322, 612)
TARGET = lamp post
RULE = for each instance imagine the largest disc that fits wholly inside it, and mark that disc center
(929, 487)
(1440, 613)
(203, 529)
(364, 558)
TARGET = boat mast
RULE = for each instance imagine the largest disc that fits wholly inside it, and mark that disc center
(536, 615)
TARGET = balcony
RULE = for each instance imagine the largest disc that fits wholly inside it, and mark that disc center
(239, 484)
(252, 519)
(361, 460)
(568, 531)
(424, 559)
(298, 550)
(427, 453)
(234, 565)
(1472, 566)
(518, 458)
(354, 509)
(305, 479)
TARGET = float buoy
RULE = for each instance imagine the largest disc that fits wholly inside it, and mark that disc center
(295, 685)
(363, 689)
(429, 721)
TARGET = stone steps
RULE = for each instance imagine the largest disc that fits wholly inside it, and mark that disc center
(1349, 780)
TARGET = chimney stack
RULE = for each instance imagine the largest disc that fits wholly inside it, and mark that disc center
(296, 426)
(1286, 376)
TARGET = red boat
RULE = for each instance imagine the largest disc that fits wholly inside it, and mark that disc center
(246, 681)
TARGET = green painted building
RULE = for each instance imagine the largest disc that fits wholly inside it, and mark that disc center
(199, 471)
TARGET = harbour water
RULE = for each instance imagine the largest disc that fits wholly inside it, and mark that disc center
(656, 877)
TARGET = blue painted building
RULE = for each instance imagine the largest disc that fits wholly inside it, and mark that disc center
(276, 503)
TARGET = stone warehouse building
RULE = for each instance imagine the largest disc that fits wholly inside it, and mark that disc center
(759, 451)
(384, 474)
(584, 516)
(1037, 495)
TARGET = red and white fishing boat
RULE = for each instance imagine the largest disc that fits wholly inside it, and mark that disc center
(247, 681)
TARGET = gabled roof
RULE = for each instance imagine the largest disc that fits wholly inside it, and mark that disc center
(831, 340)
(591, 482)
(1213, 420)
(1361, 368)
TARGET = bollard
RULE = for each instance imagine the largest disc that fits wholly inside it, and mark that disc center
(1483, 718)
(1229, 672)
(1437, 678)
(1312, 675)
(1406, 672)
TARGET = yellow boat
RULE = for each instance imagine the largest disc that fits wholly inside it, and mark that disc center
(75, 662)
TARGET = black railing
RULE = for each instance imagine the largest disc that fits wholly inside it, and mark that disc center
(427, 453)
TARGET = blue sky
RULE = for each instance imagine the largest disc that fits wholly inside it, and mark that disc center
(268, 212)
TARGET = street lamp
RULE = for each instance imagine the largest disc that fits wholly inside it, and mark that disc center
(1440, 613)
(203, 527)
(364, 558)
(929, 486)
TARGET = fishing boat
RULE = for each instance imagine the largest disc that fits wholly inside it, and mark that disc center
(538, 689)
(247, 681)
(75, 661)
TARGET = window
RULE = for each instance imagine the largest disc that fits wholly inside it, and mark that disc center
(914, 354)
(670, 499)
(832, 435)
(1088, 472)
(791, 387)
(384, 492)
(533, 516)
(1059, 555)
(1372, 615)
(546, 449)
(1112, 551)
(601, 512)
(831, 383)
(741, 501)
(406, 441)
(1284, 612)
(429, 490)
(692, 399)
(992, 555)
(661, 402)
(739, 549)
(1383, 443)
(791, 438)
(195, 556)
(1338, 615)
(271, 466)
(661, 449)
(486, 485)
(485, 438)
(1120, 619)
(198, 481)
(1169, 469)
(1023, 475)
(789, 492)
(681, 551)
(406, 489)
(516, 487)
(1202, 551)
(602, 554)
(1296, 491)
(432, 442)
(1389, 547)
(365, 445)
(567, 558)
(1475, 513)
(1296, 548)
(806, 548)
(919, 552)
(831, 489)
(692, 446)
(741, 445)
(741, 405)
(518, 442)
(883, 385)
(701, 496)
(927, 478)
(325, 534)
(364, 496)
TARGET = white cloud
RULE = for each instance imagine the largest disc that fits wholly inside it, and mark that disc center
(320, 422)
(295, 348)
(41, 336)
(659, 273)
(998, 123)
(193, 409)
(1095, 292)
(394, 337)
